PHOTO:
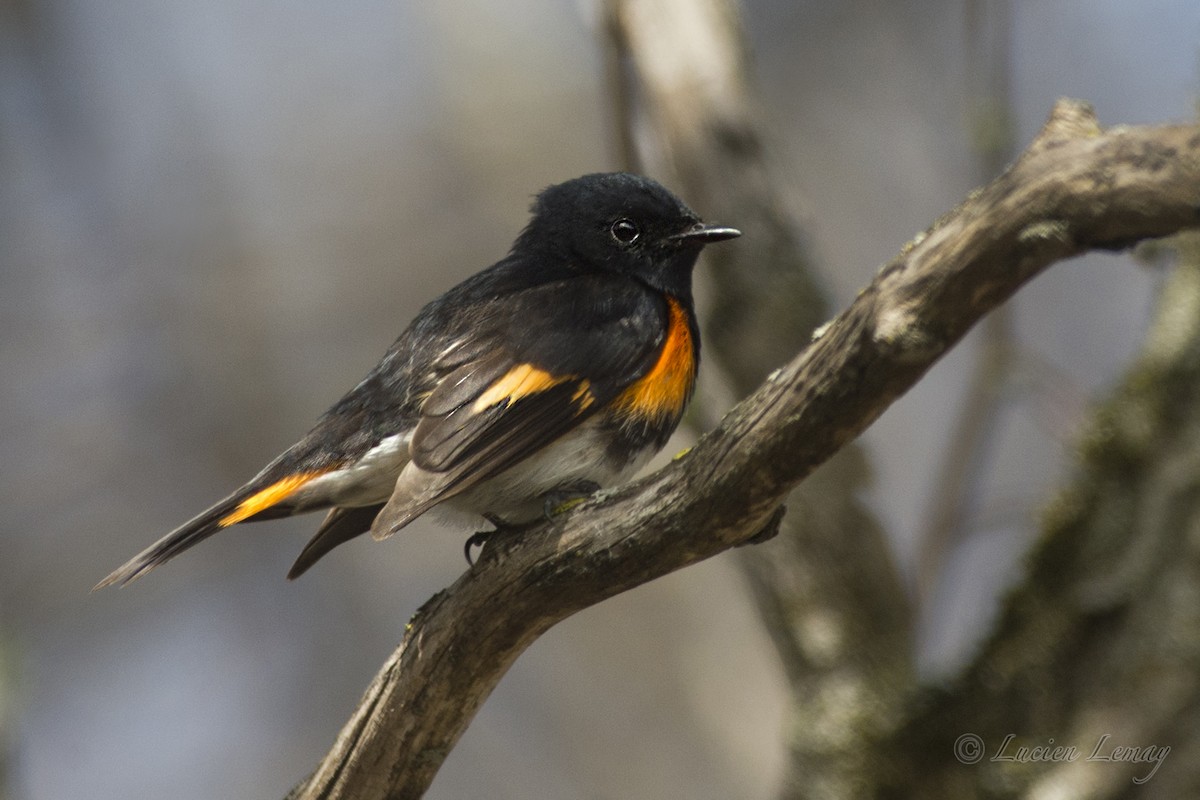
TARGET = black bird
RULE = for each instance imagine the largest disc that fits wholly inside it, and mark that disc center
(559, 369)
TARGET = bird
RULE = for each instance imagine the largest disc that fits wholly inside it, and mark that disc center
(559, 370)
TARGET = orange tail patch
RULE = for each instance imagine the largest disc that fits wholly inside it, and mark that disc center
(267, 497)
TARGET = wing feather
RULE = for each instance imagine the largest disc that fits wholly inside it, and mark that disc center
(487, 414)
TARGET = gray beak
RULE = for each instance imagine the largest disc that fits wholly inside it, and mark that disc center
(705, 234)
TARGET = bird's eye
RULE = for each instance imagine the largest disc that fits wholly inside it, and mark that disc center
(625, 231)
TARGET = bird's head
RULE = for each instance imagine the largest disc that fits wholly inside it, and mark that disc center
(618, 222)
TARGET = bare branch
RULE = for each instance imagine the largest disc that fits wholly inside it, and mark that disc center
(1076, 188)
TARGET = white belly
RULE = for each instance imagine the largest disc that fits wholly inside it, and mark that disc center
(517, 494)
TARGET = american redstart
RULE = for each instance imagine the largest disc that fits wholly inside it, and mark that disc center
(559, 369)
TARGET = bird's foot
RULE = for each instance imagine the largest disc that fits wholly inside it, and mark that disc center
(554, 503)
(501, 527)
(476, 539)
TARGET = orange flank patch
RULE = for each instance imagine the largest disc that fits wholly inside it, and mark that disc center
(518, 382)
(664, 390)
(264, 499)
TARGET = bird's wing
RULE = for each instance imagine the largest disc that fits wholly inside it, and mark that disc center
(563, 354)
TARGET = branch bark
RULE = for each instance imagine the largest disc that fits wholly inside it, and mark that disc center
(1076, 188)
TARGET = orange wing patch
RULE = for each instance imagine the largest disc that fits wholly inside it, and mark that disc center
(521, 380)
(583, 396)
(664, 390)
(267, 497)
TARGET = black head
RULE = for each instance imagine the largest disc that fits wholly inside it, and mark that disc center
(617, 222)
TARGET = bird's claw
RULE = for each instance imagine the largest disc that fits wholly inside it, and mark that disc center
(554, 503)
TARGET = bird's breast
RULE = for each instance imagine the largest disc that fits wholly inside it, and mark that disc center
(659, 396)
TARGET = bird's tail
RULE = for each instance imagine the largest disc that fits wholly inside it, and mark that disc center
(186, 535)
(341, 525)
(254, 501)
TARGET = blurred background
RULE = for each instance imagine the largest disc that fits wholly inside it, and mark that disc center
(214, 218)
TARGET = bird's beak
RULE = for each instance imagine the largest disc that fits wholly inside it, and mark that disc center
(705, 234)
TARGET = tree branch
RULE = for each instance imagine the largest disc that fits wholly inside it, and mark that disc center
(1076, 188)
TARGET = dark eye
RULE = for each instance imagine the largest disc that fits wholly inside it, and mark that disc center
(625, 231)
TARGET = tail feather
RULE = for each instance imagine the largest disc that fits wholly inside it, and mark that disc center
(262, 498)
(341, 525)
(182, 538)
